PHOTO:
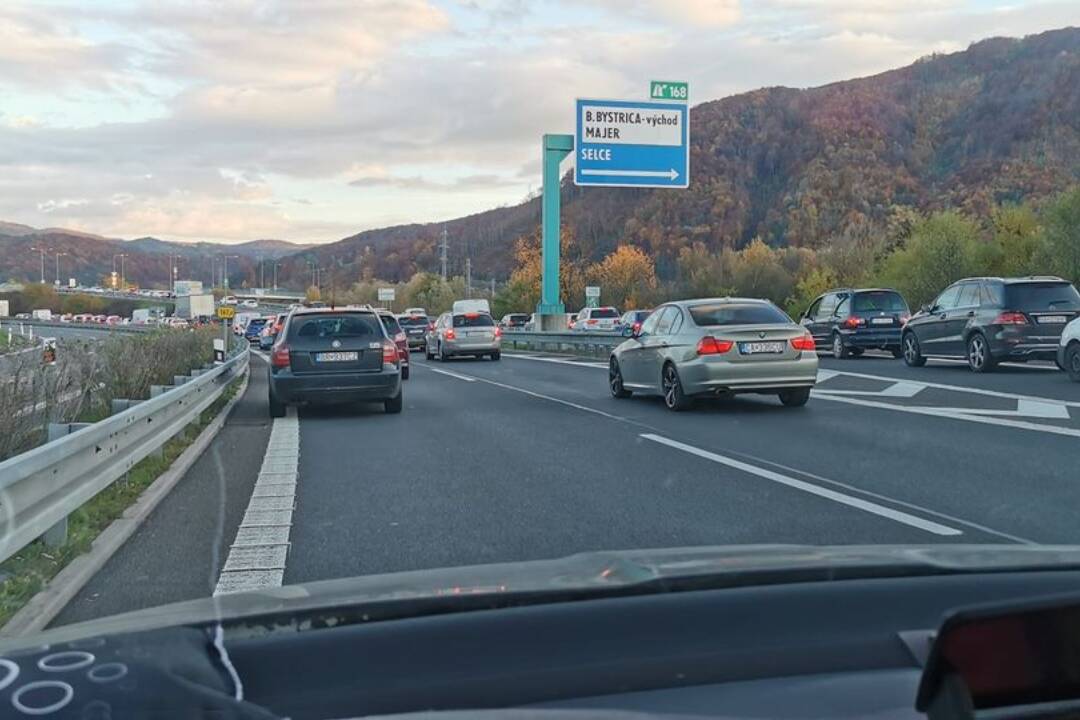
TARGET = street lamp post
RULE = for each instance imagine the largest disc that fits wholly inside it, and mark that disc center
(121, 256)
(276, 266)
(42, 251)
(58, 267)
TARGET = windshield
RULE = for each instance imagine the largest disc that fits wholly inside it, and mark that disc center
(718, 314)
(290, 293)
(1040, 297)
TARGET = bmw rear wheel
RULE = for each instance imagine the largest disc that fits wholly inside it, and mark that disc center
(795, 397)
(674, 396)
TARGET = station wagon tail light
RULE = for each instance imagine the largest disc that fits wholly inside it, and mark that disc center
(1011, 318)
(280, 357)
(389, 353)
(449, 334)
(806, 342)
(498, 332)
(709, 345)
(854, 322)
(592, 321)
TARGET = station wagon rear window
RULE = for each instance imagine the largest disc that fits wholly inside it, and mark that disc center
(879, 301)
(336, 326)
(714, 314)
(473, 320)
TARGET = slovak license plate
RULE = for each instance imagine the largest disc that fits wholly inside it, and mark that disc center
(336, 357)
(881, 321)
(1053, 320)
(756, 348)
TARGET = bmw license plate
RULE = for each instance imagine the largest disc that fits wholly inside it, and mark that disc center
(881, 321)
(1053, 320)
(336, 357)
(756, 348)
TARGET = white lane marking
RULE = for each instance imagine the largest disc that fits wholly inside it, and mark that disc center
(560, 361)
(898, 390)
(1027, 408)
(257, 557)
(466, 378)
(260, 353)
(858, 503)
(954, 414)
(943, 386)
(1018, 366)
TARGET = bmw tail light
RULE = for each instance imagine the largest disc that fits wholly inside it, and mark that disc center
(709, 345)
(498, 332)
(854, 322)
(280, 357)
(449, 334)
(1011, 318)
(389, 353)
(806, 342)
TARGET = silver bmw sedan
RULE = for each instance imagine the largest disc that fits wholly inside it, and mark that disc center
(714, 347)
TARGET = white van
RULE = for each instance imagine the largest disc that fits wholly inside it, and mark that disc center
(479, 305)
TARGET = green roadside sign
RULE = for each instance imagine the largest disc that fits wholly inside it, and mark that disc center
(666, 90)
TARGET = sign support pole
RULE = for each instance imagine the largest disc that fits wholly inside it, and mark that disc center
(555, 148)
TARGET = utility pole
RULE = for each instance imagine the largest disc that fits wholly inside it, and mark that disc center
(225, 270)
(442, 254)
(468, 277)
(42, 251)
(276, 266)
(58, 268)
(121, 256)
(493, 288)
(262, 272)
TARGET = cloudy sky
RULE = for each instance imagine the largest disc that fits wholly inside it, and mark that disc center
(309, 120)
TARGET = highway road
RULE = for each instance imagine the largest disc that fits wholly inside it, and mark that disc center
(531, 458)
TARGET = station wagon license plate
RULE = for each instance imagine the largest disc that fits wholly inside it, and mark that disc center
(336, 357)
(1053, 320)
(881, 321)
(756, 348)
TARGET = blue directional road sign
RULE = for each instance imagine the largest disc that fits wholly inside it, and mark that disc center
(626, 143)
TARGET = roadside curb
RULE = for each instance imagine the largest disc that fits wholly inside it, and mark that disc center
(58, 592)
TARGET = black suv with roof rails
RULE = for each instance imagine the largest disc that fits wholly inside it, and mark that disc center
(849, 321)
(988, 320)
(334, 355)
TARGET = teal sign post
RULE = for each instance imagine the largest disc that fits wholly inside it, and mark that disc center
(556, 147)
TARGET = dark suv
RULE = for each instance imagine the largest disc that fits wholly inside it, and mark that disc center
(852, 320)
(334, 356)
(415, 327)
(989, 320)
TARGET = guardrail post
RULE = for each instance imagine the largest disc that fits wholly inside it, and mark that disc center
(156, 390)
(180, 380)
(57, 534)
(119, 405)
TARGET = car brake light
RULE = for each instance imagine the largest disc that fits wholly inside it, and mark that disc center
(389, 353)
(591, 321)
(449, 334)
(806, 342)
(709, 345)
(637, 327)
(904, 318)
(472, 315)
(854, 322)
(498, 332)
(1011, 318)
(280, 357)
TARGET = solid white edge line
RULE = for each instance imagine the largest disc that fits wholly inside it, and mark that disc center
(858, 503)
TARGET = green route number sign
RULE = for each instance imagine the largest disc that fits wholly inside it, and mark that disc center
(669, 91)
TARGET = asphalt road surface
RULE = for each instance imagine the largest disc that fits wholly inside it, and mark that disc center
(531, 458)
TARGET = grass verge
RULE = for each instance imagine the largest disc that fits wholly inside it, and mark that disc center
(25, 574)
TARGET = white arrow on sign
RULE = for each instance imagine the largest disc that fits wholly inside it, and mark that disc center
(671, 174)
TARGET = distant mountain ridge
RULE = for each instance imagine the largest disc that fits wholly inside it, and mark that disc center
(996, 123)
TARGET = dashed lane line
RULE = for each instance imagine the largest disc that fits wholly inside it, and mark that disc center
(257, 556)
(466, 378)
(837, 497)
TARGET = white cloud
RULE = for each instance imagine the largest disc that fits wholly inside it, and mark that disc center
(272, 108)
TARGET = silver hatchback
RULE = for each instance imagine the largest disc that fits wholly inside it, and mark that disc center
(716, 347)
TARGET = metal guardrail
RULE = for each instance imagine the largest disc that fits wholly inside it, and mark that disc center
(596, 344)
(9, 323)
(41, 487)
